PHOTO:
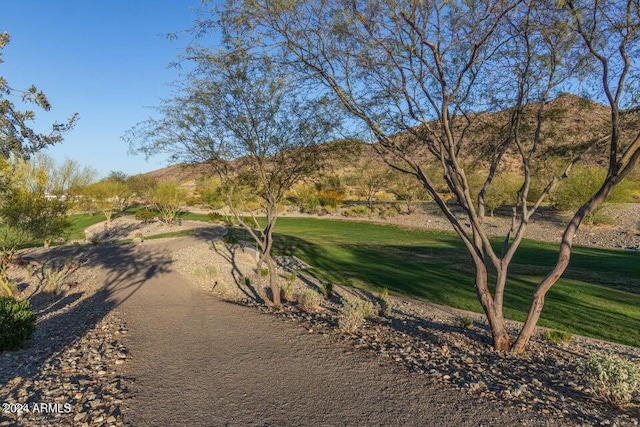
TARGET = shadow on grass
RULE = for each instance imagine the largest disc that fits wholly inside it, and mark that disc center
(445, 276)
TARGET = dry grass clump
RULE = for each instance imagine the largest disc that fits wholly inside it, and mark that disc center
(308, 299)
(353, 314)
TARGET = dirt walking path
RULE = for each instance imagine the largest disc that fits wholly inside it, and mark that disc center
(198, 361)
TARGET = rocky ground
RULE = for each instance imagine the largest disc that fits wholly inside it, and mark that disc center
(76, 363)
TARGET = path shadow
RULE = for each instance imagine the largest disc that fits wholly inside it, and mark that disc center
(121, 271)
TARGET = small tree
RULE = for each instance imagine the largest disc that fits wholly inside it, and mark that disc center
(167, 197)
(408, 190)
(369, 181)
(107, 196)
(241, 115)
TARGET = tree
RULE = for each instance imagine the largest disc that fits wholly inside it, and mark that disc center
(369, 182)
(16, 135)
(241, 115)
(167, 197)
(142, 186)
(423, 77)
(107, 196)
(408, 190)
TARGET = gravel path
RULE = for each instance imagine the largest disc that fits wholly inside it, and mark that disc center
(200, 361)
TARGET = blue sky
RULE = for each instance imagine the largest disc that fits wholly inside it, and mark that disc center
(106, 60)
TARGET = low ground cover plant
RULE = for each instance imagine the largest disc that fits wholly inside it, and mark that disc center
(611, 377)
(17, 323)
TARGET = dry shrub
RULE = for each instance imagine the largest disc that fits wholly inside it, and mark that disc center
(308, 299)
(353, 314)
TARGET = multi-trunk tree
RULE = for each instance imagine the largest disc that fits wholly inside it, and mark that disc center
(422, 78)
(244, 117)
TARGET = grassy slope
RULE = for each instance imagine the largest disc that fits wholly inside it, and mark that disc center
(599, 295)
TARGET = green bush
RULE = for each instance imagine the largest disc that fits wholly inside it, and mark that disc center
(145, 215)
(17, 323)
(327, 289)
(264, 272)
(611, 377)
(216, 217)
(557, 337)
(465, 322)
(286, 291)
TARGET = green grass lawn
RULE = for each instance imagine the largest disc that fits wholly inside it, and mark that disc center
(599, 295)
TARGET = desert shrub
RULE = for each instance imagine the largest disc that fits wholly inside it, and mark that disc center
(327, 289)
(557, 337)
(465, 322)
(305, 196)
(331, 197)
(17, 323)
(290, 276)
(353, 314)
(308, 299)
(384, 302)
(286, 291)
(356, 211)
(215, 217)
(264, 272)
(581, 184)
(503, 191)
(145, 215)
(387, 211)
(611, 377)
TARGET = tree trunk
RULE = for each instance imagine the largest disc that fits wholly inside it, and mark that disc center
(273, 281)
(564, 255)
(501, 339)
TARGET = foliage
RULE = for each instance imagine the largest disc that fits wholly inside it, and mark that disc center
(465, 322)
(326, 288)
(368, 182)
(107, 196)
(331, 197)
(306, 197)
(286, 291)
(581, 184)
(145, 215)
(167, 197)
(17, 323)
(508, 59)
(408, 190)
(557, 337)
(352, 315)
(611, 377)
(215, 217)
(357, 211)
(308, 299)
(36, 215)
(210, 192)
(384, 303)
(17, 137)
(503, 191)
(141, 186)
